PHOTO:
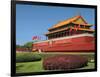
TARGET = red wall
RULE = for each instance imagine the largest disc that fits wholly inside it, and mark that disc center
(84, 43)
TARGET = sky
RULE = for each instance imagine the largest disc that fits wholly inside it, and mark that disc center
(34, 20)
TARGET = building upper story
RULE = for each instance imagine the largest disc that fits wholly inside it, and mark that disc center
(72, 26)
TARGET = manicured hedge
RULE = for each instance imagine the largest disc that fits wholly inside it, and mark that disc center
(64, 62)
(27, 57)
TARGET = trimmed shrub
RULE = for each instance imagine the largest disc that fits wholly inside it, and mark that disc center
(27, 57)
(64, 62)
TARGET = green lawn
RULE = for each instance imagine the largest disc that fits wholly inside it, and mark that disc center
(36, 66)
(29, 67)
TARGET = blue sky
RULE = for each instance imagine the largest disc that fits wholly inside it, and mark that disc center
(34, 20)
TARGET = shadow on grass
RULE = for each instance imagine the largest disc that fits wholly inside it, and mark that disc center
(19, 66)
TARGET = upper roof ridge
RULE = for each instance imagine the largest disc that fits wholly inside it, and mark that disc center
(67, 21)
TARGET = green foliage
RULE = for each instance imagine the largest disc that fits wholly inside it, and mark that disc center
(28, 44)
(17, 46)
(20, 46)
(27, 57)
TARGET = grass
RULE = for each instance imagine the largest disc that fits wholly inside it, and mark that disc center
(89, 66)
(29, 67)
(36, 66)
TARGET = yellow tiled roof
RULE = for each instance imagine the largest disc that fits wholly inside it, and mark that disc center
(82, 24)
(67, 22)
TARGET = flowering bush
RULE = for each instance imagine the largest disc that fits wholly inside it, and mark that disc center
(64, 62)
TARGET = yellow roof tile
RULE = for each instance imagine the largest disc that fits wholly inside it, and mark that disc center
(59, 24)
